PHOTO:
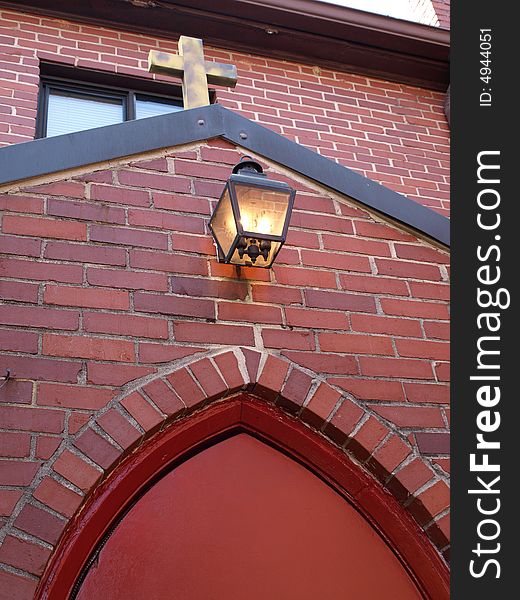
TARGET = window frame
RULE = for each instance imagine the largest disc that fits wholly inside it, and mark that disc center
(127, 93)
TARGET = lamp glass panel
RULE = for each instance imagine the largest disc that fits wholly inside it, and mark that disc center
(223, 222)
(262, 211)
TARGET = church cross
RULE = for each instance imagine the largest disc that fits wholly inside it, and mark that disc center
(196, 73)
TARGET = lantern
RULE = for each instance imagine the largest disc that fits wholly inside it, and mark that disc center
(250, 222)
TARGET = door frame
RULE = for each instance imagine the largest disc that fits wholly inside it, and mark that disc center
(147, 463)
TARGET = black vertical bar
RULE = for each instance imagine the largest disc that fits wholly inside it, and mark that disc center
(485, 325)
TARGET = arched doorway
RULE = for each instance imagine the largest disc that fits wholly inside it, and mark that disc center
(241, 501)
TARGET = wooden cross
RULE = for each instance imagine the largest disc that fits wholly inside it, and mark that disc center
(196, 73)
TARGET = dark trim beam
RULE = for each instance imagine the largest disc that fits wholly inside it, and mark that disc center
(55, 154)
(315, 33)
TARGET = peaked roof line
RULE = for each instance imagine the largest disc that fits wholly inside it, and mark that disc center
(60, 153)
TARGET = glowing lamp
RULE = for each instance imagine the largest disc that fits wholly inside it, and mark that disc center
(250, 222)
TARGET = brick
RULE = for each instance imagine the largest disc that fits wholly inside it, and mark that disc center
(339, 301)
(19, 291)
(435, 291)
(427, 392)
(76, 421)
(32, 316)
(45, 369)
(14, 445)
(11, 244)
(88, 347)
(430, 503)
(249, 313)
(316, 319)
(388, 325)
(412, 308)
(275, 294)
(73, 396)
(367, 438)
(411, 416)
(86, 297)
(159, 353)
(120, 195)
(439, 532)
(332, 260)
(193, 286)
(370, 389)
(208, 378)
(174, 305)
(321, 222)
(293, 340)
(76, 470)
(16, 392)
(305, 277)
(314, 204)
(210, 333)
(341, 425)
(58, 497)
(421, 253)
(436, 330)
(46, 446)
(21, 204)
(142, 411)
(46, 228)
(373, 285)
(376, 230)
(85, 211)
(433, 443)
(324, 363)
(105, 374)
(228, 366)
(128, 279)
(168, 183)
(40, 523)
(164, 220)
(355, 344)
(423, 349)
(41, 271)
(181, 203)
(409, 479)
(295, 390)
(252, 363)
(119, 428)
(164, 398)
(388, 457)
(8, 501)
(128, 237)
(97, 448)
(24, 555)
(20, 588)
(156, 164)
(241, 273)
(171, 263)
(14, 340)
(59, 188)
(192, 168)
(442, 371)
(401, 268)
(397, 368)
(127, 325)
(193, 243)
(345, 243)
(31, 419)
(85, 253)
(320, 406)
(302, 239)
(272, 377)
(186, 388)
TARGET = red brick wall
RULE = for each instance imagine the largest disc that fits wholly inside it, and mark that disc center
(117, 316)
(395, 134)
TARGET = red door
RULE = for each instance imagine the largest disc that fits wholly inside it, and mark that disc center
(242, 521)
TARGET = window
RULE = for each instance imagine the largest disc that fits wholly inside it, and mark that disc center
(68, 105)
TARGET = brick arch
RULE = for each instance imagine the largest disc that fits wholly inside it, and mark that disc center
(153, 403)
